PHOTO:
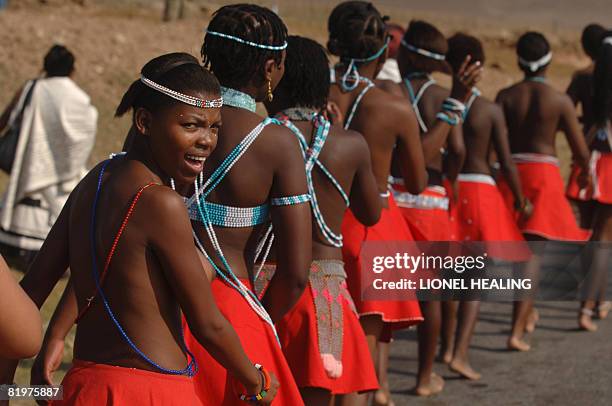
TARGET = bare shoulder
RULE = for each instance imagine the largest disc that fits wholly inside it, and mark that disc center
(163, 203)
(275, 138)
(350, 141)
(389, 86)
(391, 103)
(505, 92)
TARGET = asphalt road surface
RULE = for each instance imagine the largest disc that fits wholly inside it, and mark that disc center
(564, 367)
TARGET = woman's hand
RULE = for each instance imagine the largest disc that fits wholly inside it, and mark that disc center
(465, 79)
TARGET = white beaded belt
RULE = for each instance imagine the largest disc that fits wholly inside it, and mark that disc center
(410, 201)
(530, 158)
(477, 178)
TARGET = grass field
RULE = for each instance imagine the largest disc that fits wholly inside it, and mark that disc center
(112, 40)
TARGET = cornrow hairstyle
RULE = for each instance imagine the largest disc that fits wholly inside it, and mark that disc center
(59, 61)
(236, 64)
(306, 79)
(178, 71)
(425, 36)
(356, 30)
(591, 39)
(532, 46)
(602, 83)
(461, 45)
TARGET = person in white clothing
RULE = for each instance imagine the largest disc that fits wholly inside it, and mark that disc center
(57, 130)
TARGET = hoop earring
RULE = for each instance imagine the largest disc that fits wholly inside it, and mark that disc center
(270, 95)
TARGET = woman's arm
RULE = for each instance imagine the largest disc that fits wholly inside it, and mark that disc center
(20, 322)
(292, 229)
(183, 270)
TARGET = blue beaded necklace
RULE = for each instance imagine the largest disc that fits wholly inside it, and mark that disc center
(192, 367)
(236, 98)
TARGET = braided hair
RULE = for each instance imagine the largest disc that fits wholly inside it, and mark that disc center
(532, 46)
(356, 30)
(306, 79)
(236, 64)
(425, 36)
(461, 45)
(178, 71)
(602, 82)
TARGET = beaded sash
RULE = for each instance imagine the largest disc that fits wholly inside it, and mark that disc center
(327, 282)
(311, 158)
(416, 98)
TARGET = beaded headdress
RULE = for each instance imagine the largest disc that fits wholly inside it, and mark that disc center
(194, 101)
(424, 52)
(352, 72)
(249, 43)
(533, 66)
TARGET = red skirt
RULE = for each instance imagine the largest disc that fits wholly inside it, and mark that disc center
(392, 228)
(213, 385)
(88, 383)
(322, 339)
(601, 175)
(482, 213)
(426, 214)
(541, 182)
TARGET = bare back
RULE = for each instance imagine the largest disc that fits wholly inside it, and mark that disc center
(385, 120)
(138, 292)
(251, 181)
(534, 113)
(346, 156)
(479, 128)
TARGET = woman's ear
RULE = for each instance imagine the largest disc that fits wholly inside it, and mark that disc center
(142, 120)
(269, 67)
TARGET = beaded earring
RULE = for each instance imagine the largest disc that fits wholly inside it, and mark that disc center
(270, 94)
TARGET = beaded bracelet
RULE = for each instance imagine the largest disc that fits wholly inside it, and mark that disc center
(449, 118)
(265, 386)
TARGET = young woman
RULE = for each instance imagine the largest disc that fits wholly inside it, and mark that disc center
(130, 281)
(599, 140)
(255, 173)
(321, 336)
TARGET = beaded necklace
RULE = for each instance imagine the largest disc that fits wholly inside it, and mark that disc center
(311, 158)
(415, 98)
(299, 113)
(236, 98)
(192, 368)
(202, 189)
(537, 79)
(369, 85)
(471, 100)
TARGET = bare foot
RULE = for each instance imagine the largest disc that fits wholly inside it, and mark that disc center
(435, 385)
(445, 357)
(464, 369)
(585, 321)
(517, 344)
(532, 320)
(382, 398)
(603, 309)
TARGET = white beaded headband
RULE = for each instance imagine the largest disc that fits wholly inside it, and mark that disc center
(535, 65)
(607, 40)
(249, 43)
(194, 101)
(424, 52)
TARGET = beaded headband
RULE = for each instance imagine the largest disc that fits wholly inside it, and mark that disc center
(607, 40)
(535, 65)
(424, 52)
(194, 101)
(249, 43)
(352, 72)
